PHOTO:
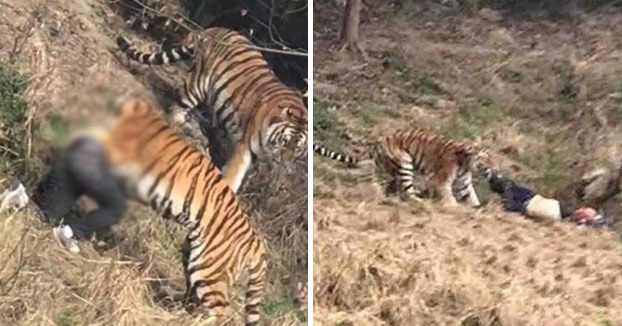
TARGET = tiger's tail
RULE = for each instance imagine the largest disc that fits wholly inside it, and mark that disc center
(350, 161)
(157, 58)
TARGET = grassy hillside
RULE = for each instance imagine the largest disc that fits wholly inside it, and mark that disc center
(538, 90)
(60, 72)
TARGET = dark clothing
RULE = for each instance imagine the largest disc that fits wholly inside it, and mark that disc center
(81, 170)
(513, 196)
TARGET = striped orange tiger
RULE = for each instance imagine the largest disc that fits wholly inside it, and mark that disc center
(446, 164)
(142, 158)
(240, 93)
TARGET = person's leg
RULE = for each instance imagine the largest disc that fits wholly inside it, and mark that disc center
(89, 168)
(57, 193)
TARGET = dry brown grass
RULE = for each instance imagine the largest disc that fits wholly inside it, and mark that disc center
(117, 284)
(383, 262)
(42, 284)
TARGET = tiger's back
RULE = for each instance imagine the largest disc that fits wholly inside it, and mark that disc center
(160, 169)
(404, 155)
(241, 85)
(245, 97)
(445, 163)
(431, 152)
(241, 94)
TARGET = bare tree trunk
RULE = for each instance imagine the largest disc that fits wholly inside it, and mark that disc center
(349, 36)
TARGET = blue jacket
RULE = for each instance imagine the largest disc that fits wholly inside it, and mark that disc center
(514, 197)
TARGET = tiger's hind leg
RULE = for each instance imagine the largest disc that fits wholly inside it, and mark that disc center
(254, 291)
(210, 291)
(184, 114)
(442, 182)
(175, 294)
(207, 279)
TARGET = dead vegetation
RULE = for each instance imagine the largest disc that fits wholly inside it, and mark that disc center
(527, 86)
(59, 56)
(387, 263)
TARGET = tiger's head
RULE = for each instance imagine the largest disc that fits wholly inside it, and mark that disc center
(288, 133)
(485, 163)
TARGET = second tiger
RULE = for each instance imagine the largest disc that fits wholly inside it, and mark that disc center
(240, 93)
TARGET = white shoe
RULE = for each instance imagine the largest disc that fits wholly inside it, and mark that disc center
(64, 235)
(15, 197)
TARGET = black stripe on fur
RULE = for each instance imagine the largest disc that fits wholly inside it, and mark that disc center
(158, 58)
(348, 160)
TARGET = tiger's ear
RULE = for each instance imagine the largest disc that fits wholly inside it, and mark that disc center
(135, 107)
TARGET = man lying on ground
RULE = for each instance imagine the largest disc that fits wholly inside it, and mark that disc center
(520, 199)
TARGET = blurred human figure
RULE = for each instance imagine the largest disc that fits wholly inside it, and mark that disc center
(518, 198)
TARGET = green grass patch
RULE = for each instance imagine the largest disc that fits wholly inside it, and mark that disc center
(420, 83)
(328, 129)
(67, 318)
(55, 128)
(551, 176)
(614, 114)
(615, 86)
(569, 84)
(614, 110)
(602, 321)
(372, 115)
(546, 171)
(394, 61)
(474, 118)
(274, 308)
(415, 83)
(13, 110)
(511, 76)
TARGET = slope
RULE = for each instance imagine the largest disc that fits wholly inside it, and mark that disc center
(539, 91)
(59, 59)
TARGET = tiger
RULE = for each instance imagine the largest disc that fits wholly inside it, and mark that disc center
(447, 165)
(141, 157)
(230, 85)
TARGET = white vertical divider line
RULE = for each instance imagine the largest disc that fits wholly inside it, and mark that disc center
(310, 162)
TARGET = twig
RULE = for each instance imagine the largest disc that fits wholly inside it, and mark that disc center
(17, 47)
(21, 264)
(296, 10)
(199, 28)
(83, 300)
(14, 249)
(115, 262)
(6, 149)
